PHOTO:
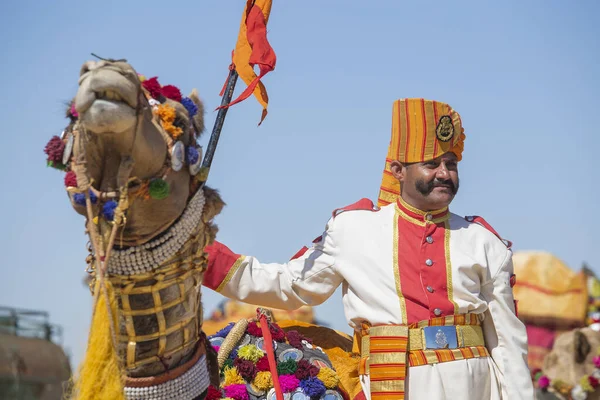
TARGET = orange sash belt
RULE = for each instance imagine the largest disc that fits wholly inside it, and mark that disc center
(387, 350)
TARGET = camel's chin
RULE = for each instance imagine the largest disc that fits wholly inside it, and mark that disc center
(106, 116)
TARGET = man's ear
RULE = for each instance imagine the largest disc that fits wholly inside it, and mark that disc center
(398, 170)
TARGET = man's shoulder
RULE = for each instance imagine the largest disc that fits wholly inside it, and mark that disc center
(477, 225)
(362, 205)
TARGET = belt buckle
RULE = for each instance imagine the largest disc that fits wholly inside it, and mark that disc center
(440, 337)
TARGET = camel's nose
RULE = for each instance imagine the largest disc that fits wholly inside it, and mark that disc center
(91, 65)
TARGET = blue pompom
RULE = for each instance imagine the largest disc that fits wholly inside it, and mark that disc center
(192, 155)
(190, 106)
(225, 331)
(313, 387)
(79, 198)
(108, 210)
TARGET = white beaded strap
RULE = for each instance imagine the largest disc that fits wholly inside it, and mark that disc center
(188, 386)
(144, 258)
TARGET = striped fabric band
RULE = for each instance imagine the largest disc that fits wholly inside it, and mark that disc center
(386, 352)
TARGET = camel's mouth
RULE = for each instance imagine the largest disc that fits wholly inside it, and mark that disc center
(106, 101)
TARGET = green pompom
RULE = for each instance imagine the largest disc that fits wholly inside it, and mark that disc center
(227, 364)
(158, 189)
(57, 165)
(288, 367)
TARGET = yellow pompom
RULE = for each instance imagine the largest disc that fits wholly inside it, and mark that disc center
(231, 376)
(95, 220)
(328, 377)
(263, 380)
(585, 383)
(250, 352)
(141, 77)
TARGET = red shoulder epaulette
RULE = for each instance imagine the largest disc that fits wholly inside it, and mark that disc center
(479, 220)
(362, 204)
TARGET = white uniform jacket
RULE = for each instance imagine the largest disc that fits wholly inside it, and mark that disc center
(399, 265)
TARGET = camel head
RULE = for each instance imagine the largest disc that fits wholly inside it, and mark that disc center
(129, 132)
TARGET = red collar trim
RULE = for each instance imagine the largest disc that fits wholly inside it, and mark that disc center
(419, 215)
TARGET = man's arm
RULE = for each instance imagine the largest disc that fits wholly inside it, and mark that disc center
(306, 280)
(505, 334)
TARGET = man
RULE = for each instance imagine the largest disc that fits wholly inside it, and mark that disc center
(428, 293)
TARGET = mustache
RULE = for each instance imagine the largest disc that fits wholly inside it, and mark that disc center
(427, 187)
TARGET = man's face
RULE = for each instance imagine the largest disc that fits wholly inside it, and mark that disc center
(428, 185)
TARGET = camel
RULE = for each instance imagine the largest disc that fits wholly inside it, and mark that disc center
(133, 169)
(557, 306)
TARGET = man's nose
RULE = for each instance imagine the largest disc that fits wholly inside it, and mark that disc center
(442, 172)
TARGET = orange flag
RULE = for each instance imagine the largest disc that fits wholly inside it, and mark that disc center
(253, 48)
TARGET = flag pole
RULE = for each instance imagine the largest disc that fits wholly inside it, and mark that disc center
(216, 132)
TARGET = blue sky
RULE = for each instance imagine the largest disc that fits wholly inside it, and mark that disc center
(523, 75)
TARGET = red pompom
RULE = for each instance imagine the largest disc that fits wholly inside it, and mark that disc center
(277, 333)
(213, 393)
(55, 149)
(253, 329)
(262, 364)
(171, 92)
(153, 87)
(70, 179)
(593, 381)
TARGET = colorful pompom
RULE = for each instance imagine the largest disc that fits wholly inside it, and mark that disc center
(152, 86)
(306, 370)
(223, 332)
(192, 155)
(158, 189)
(263, 380)
(277, 333)
(250, 352)
(213, 393)
(171, 92)
(245, 368)
(167, 115)
(287, 367)
(108, 210)
(190, 106)
(543, 382)
(253, 329)
(73, 111)
(231, 377)
(228, 364)
(288, 383)
(55, 149)
(329, 378)
(79, 198)
(313, 387)
(237, 392)
(295, 339)
(263, 364)
(70, 179)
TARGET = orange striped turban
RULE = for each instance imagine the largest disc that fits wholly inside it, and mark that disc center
(421, 130)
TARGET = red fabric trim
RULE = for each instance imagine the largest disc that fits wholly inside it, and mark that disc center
(479, 220)
(220, 261)
(416, 276)
(419, 216)
(300, 253)
(513, 280)
(547, 291)
(362, 204)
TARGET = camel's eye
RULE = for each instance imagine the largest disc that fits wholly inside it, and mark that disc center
(180, 123)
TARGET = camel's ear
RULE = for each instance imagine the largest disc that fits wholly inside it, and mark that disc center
(582, 347)
(199, 117)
